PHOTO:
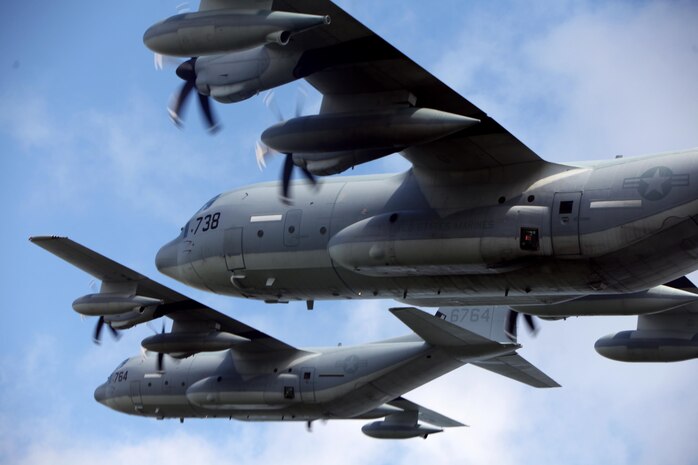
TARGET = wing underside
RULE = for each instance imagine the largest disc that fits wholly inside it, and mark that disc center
(186, 313)
(355, 69)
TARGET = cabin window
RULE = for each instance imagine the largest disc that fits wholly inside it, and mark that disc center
(529, 239)
(289, 392)
(566, 207)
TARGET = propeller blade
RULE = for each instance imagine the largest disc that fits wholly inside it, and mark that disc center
(160, 362)
(98, 331)
(261, 152)
(311, 177)
(270, 103)
(286, 178)
(176, 109)
(511, 325)
(530, 322)
(114, 332)
(205, 105)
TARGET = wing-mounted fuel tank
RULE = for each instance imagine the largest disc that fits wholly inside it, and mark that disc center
(479, 241)
(226, 30)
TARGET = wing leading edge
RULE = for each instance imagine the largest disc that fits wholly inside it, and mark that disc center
(356, 69)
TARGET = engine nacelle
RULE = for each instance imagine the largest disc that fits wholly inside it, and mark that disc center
(237, 76)
(110, 304)
(387, 430)
(189, 343)
(335, 132)
(649, 346)
(221, 31)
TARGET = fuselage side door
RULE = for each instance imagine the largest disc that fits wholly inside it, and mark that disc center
(136, 398)
(565, 223)
(308, 384)
(232, 248)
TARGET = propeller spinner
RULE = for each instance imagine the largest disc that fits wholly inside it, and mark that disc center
(187, 72)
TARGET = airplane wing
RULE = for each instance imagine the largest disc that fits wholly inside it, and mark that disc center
(469, 346)
(185, 312)
(424, 414)
(354, 68)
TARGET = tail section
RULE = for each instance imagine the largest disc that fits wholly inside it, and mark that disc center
(489, 322)
(477, 336)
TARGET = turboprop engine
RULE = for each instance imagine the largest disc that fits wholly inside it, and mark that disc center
(118, 310)
(221, 31)
(237, 76)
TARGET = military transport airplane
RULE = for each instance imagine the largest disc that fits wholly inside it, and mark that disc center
(479, 219)
(212, 366)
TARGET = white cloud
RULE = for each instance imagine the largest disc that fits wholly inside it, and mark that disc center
(598, 80)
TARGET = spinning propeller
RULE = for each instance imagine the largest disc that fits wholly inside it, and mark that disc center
(98, 331)
(187, 72)
(262, 151)
(160, 363)
(512, 323)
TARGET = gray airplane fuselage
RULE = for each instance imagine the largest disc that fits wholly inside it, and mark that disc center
(336, 382)
(521, 234)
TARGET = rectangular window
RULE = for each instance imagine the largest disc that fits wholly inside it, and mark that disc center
(566, 207)
(289, 392)
(529, 239)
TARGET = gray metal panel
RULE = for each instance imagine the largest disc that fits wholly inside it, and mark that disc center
(307, 382)
(232, 247)
(292, 228)
(565, 223)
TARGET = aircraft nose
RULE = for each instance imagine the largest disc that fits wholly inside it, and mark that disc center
(101, 394)
(166, 257)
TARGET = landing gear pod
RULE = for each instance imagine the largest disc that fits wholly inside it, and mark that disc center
(221, 31)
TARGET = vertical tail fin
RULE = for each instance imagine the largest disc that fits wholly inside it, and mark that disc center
(489, 322)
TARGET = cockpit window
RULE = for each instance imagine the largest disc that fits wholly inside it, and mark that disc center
(185, 230)
(121, 364)
(208, 204)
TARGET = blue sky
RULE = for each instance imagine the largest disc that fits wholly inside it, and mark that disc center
(88, 151)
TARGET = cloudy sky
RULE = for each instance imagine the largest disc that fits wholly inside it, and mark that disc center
(87, 151)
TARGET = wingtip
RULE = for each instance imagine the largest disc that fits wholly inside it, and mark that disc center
(45, 238)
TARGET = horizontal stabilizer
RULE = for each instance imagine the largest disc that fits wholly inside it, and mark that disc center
(425, 415)
(518, 368)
